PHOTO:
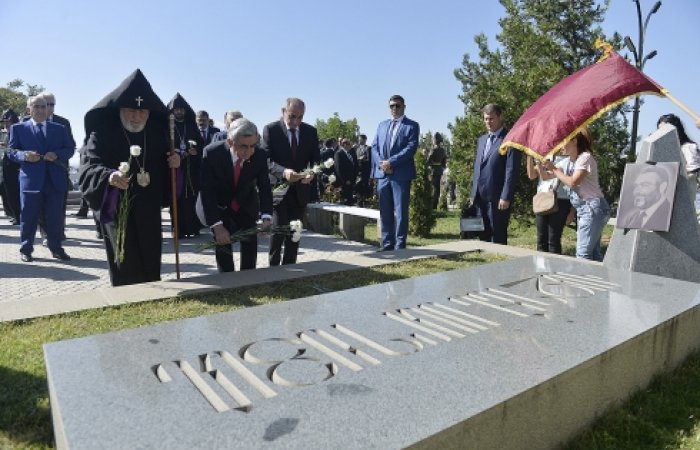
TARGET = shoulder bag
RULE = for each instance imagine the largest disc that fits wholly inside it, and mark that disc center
(545, 203)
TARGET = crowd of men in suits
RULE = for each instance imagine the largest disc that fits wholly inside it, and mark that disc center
(227, 180)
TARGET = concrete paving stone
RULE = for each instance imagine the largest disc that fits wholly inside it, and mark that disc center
(88, 270)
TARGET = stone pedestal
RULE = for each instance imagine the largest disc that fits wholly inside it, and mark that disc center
(673, 254)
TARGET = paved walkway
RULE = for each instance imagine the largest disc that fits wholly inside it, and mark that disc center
(87, 270)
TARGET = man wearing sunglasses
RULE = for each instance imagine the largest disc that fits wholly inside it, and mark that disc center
(393, 149)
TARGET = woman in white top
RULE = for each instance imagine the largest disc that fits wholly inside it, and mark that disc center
(689, 149)
(580, 174)
(550, 226)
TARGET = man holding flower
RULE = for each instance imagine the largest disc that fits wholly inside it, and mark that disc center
(231, 171)
(125, 177)
(291, 146)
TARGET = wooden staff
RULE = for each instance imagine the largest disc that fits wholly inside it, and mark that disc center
(173, 189)
(683, 107)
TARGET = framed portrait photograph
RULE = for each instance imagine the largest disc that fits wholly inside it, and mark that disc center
(646, 199)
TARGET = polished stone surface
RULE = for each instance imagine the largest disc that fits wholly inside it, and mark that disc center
(381, 367)
(673, 254)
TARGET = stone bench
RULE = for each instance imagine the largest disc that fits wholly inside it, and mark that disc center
(351, 219)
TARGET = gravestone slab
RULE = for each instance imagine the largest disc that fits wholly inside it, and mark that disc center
(520, 354)
(673, 254)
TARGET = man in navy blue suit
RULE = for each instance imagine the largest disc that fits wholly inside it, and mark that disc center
(43, 149)
(393, 149)
(495, 176)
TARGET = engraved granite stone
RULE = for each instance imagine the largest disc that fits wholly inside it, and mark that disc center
(519, 354)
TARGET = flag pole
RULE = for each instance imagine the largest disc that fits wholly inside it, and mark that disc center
(682, 106)
(173, 199)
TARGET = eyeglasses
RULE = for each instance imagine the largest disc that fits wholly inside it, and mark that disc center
(50, 104)
(39, 106)
(395, 105)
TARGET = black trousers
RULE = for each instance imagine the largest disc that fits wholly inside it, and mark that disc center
(287, 210)
(551, 227)
(234, 222)
(348, 194)
(436, 178)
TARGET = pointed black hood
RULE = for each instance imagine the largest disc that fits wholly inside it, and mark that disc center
(134, 92)
(178, 101)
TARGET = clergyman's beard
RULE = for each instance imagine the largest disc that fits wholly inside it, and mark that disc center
(130, 128)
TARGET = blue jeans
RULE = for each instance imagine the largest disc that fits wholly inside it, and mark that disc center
(591, 217)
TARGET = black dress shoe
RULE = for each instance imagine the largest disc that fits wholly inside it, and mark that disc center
(63, 256)
(27, 258)
(384, 249)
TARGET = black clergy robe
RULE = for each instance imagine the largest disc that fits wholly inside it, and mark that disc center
(188, 222)
(106, 148)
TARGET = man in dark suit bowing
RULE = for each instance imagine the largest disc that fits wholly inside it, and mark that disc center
(42, 149)
(230, 172)
(495, 175)
(291, 147)
(393, 149)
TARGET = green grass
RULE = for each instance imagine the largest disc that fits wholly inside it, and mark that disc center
(519, 235)
(25, 421)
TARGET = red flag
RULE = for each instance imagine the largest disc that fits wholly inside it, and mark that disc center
(576, 101)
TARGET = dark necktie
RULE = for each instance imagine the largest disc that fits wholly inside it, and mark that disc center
(41, 136)
(638, 220)
(236, 175)
(387, 141)
(295, 144)
(350, 157)
(204, 135)
(487, 148)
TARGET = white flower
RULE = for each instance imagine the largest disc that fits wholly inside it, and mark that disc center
(135, 150)
(295, 225)
(124, 167)
(317, 169)
(296, 237)
(331, 178)
(329, 163)
(192, 144)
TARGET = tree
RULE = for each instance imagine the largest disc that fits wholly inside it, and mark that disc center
(541, 42)
(421, 217)
(11, 97)
(334, 127)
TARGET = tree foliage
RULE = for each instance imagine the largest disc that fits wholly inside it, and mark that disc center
(334, 128)
(540, 43)
(421, 217)
(12, 97)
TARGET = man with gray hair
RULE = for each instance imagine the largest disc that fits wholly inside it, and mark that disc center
(231, 170)
(291, 146)
(229, 117)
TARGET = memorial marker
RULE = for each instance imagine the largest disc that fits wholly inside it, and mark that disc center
(426, 362)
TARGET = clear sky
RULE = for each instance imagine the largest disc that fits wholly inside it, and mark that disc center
(345, 57)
